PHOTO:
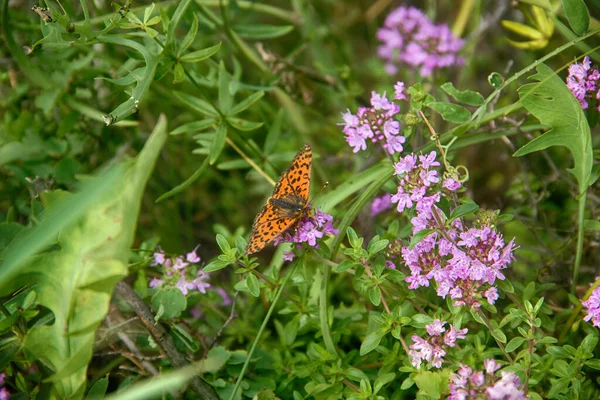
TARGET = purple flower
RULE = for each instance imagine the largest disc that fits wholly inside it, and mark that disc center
(409, 37)
(4, 394)
(195, 312)
(288, 256)
(226, 299)
(451, 184)
(433, 349)
(381, 204)
(184, 286)
(593, 307)
(159, 258)
(179, 263)
(582, 81)
(308, 230)
(192, 257)
(376, 124)
(200, 283)
(469, 385)
(155, 282)
(399, 91)
(2, 378)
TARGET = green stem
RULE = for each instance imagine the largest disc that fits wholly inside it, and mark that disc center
(478, 114)
(323, 312)
(580, 233)
(262, 329)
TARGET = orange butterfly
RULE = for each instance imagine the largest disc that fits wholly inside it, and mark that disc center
(287, 204)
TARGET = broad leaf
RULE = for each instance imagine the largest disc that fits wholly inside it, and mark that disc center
(76, 282)
(550, 101)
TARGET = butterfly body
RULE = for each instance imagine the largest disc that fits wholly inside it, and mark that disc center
(287, 204)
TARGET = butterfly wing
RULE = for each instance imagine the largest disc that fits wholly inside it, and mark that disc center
(295, 181)
(268, 224)
(293, 185)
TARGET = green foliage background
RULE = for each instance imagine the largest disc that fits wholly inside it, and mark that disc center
(91, 181)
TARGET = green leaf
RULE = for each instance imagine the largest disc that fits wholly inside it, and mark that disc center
(376, 245)
(218, 144)
(346, 265)
(371, 342)
(462, 210)
(246, 103)
(172, 301)
(98, 389)
(578, 15)
(215, 265)
(178, 73)
(451, 112)
(550, 101)
(223, 243)
(243, 125)
(193, 126)
(589, 343)
(591, 225)
(200, 55)
(514, 344)
(261, 31)
(76, 281)
(195, 103)
(225, 97)
(383, 380)
(189, 37)
(253, 285)
(215, 360)
(464, 96)
(594, 363)
(375, 295)
(431, 384)
(558, 352)
(156, 386)
(417, 237)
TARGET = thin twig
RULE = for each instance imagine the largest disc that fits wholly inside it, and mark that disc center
(232, 315)
(163, 338)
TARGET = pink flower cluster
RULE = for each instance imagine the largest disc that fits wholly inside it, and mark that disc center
(469, 385)
(376, 123)
(307, 230)
(4, 393)
(176, 273)
(583, 82)
(433, 349)
(410, 37)
(593, 307)
(381, 204)
(463, 262)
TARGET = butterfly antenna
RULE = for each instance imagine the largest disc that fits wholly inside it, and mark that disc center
(319, 192)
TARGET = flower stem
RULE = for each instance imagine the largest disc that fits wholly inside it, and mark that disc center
(261, 330)
(500, 345)
(323, 312)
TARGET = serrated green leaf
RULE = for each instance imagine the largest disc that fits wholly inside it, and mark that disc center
(550, 101)
(76, 282)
